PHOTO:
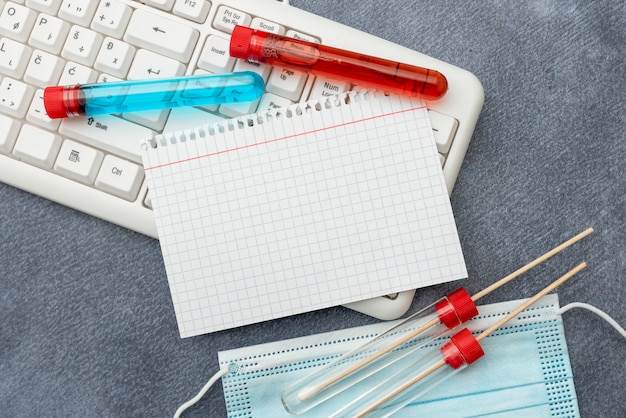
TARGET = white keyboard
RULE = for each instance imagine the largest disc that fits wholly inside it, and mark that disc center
(93, 164)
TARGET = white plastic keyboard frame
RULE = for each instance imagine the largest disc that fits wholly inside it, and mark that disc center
(463, 101)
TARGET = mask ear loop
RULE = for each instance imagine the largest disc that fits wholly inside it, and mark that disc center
(222, 372)
(596, 311)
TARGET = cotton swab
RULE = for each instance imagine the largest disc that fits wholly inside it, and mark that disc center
(463, 349)
(456, 308)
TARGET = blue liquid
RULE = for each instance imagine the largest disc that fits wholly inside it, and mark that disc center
(132, 96)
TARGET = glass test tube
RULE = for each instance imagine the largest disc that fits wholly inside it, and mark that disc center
(411, 382)
(130, 96)
(388, 351)
(400, 389)
(365, 71)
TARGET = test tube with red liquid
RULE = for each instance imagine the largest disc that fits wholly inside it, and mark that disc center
(363, 70)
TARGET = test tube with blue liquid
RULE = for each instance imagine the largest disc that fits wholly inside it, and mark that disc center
(154, 94)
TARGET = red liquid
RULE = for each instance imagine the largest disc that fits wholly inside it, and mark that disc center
(363, 70)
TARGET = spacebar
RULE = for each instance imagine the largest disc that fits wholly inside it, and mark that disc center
(108, 133)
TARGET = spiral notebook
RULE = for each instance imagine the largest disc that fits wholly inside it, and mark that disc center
(301, 208)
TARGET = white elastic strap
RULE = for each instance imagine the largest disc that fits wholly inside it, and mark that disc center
(200, 394)
(225, 370)
(596, 311)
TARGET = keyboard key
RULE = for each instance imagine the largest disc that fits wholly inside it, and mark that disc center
(120, 177)
(78, 161)
(287, 83)
(111, 18)
(37, 146)
(210, 108)
(233, 110)
(262, 69)
(215, 56)
(160, 4)
(302, 36)
(15, 97)
(161, 35)
(271, 101)
(49, 33)
(114, 57)
(106, 78)
(324, 87)
(148, 201)
(16, 22)
(152, 119)
(37, 113)
(47, 6)
(444, 128)
(226, 18)
(82, 45)
(9, 128)
(13, 57)
(78, 11)
(267, 26)
(74, 73)
(196, 10)
(108, 133)
(150, 65)
(244, 108)
(43, 69)
(184, 117)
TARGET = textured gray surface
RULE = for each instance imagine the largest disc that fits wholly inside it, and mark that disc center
(87, 324)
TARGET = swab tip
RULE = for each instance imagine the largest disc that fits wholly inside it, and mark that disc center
(307, 393)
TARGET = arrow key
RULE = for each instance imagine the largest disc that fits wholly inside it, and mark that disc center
(161, 35)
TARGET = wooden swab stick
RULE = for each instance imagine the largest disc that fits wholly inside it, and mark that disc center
(308, 393)
(482, 336)
(532, 264)
(532, 300)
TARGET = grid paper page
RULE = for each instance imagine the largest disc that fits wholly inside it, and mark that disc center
(300, 209)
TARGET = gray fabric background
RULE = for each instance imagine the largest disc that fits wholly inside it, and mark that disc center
(87, 327)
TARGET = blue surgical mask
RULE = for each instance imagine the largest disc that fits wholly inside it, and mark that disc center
(525, 371)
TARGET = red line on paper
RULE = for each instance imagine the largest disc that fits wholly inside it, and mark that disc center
(269, 141)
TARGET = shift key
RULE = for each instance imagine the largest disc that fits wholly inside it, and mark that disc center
(108, 133)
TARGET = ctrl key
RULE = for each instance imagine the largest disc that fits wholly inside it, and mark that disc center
(120, 177)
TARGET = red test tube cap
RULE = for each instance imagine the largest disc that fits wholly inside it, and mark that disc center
(456, 308)
(462, 349)
(54, 103)
(240, 42)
